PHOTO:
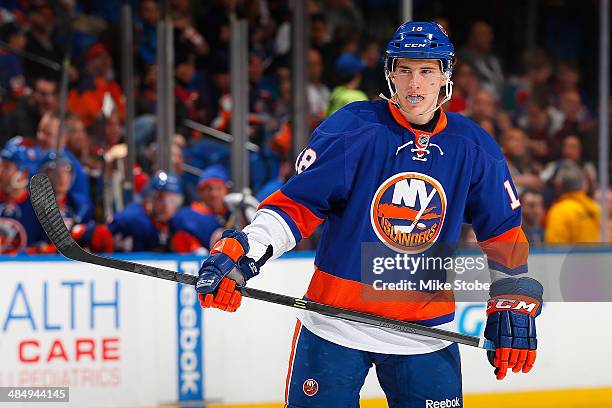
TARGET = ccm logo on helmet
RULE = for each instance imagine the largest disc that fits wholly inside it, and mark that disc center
(519, 305)
(413, 45)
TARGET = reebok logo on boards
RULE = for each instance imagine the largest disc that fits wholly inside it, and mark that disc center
(447, 403)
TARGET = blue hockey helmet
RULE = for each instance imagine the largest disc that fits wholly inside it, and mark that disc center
(421, 40)
(52, 160)
(164, 181)
(23, 157)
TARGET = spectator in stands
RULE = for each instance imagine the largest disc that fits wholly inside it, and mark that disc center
(541, 122)
(282, 106)
(567, 79)
(260, 103)
(282, 38)
(373, 80)
(479, 53)
(23, 121)
(318, 93)
(343, 15)
(346, 41)
(348, 71)
(571, 149)
(484, 106)
(146, 226)
(213, 187)
(12, 80)
(97, 93)
(78, 142)
(218, 72)
(536, 78)
(187, 89)
(215, 26)
(187, 39)
(113, 131)
(465, 86)
(576, 117)
(320, 40)
(40, 41)
(19, 227)
(260, 99)
(146, 31)
(533, 211)
(609, 207)
(575, 217)
(47, 140)
(515, 148)
(261, 28)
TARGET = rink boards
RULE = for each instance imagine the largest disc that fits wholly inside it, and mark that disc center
(119, 339)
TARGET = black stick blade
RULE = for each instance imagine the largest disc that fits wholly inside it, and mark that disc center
(45, 207)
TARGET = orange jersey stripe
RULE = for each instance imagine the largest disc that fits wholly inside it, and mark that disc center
(510, 249)
(305, 220)
(296, 334)
(403, 305)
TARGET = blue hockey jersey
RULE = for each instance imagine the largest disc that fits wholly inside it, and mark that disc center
(198, 225)
(374, 179)
(134, 230)
(19, 226)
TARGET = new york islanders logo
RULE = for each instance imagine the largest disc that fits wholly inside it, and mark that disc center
(407, 211)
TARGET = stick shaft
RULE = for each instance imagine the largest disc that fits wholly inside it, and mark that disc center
(45, 206)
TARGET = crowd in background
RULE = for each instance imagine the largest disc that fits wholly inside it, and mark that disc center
(541, 114)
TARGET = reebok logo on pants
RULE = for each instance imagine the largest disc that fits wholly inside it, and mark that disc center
(443, 404)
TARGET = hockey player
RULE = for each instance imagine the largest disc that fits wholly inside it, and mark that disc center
(146, 226)
(432, 171)
(95, 237)
(19, 227)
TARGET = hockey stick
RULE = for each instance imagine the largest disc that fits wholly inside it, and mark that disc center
(45, 206)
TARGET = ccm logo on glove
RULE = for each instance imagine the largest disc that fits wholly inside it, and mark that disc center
(515, 303)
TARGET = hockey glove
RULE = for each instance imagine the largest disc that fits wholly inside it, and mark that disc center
(226, 267)
(511, 313)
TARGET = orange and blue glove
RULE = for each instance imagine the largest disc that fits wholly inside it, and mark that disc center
(511, 313)
(226, 267)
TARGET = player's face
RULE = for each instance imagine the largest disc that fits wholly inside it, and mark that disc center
(417, 83)
(212, 195)
(165, 205)
(7, 171)
(61, 178)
